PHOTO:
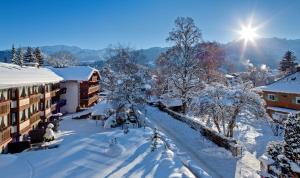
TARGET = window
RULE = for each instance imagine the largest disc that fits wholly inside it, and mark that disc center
(3, 95)
(13, 118)
(42, 106)
(297, 100)
(13, 93)
(272, 97)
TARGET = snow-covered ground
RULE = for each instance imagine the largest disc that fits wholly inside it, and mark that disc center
(215, 160)
(85, 151)
(253, 134)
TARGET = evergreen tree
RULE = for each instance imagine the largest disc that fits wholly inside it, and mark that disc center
(292, 139)
(14, 59)
(29, 57)
(20, 57)
(38, 56)
(288, 63)
(286, 154)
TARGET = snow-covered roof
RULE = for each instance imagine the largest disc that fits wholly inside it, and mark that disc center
(284, 110)
(12, 75)
(289, 84)
(80, 73)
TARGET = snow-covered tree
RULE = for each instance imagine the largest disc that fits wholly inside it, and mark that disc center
(20, 57)
(222, 105)
(178, 63)
(258, 75)
(108, 79)
(62, 59)
(292, 139)
(286, 154)
(14, 59)
(38, 56)
(288, 63)
(28, 56)
(130, 76)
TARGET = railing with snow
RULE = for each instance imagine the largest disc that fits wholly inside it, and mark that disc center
(222, 141)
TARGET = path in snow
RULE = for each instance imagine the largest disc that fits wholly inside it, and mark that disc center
(217, 161)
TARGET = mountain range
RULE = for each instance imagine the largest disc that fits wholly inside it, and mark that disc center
(267, 51)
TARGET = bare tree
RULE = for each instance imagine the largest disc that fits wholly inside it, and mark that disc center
(211, 57)
(179, 63)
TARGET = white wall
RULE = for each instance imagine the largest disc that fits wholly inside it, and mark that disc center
(71, 95)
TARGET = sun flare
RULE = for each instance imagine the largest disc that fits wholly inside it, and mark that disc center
(248, 33)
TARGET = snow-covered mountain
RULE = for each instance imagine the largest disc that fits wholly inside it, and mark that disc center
(266, 51)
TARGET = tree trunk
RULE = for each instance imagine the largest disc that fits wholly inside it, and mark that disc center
(184, 107)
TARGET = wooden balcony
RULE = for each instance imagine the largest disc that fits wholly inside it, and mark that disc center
(5, 135)
(92, 100)
(89, 102)
(47, 113)
(53, 92)
(53, 107)
(35, 117)
(94, 89)
(34, 98)
(4, 107)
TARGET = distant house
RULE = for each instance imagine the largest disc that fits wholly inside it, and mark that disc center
(80, 85)
(283, 96)
(28, 95)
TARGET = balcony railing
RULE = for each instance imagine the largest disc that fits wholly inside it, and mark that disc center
(4, 107)
(5, 135)
(35, 117)
(53, 92)
(93, 89)
(88, 101)
(53, 107)
(34, 98)
(93, 100)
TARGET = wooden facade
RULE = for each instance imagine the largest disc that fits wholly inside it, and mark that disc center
(89, 91)
(22, 108)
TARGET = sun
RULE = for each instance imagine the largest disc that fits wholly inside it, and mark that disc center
(248, 33)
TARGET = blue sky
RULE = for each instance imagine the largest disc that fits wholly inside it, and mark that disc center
(96, 24)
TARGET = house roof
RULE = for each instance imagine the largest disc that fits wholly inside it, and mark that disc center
(12, 75)
(283, 110)
(288, 84)
(79, 73)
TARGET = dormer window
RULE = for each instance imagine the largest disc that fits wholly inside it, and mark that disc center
(272, 97)
(297, 100)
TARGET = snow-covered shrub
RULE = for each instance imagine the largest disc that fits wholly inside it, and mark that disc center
(221, 105)
(286, 155)
(155, 137)
(292, 139)
(49, 134)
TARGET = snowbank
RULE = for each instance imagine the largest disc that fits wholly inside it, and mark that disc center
(86, 151)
